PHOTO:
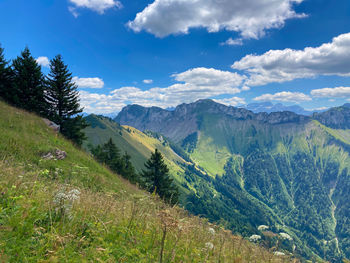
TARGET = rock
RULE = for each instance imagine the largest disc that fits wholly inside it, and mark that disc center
(57, 155)
(60, 155)
(52, 125)
(48, 156)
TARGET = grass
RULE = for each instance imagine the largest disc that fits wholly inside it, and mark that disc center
(105, 220)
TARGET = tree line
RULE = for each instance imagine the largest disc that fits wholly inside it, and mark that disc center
(55, 96)
(154, 178)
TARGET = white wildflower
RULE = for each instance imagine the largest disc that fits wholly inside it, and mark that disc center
(262, 228)
(209, 245)
(73, 195)
(254, 238)
(64, 201)
(278, 253)
(211, 230)
(286, 236)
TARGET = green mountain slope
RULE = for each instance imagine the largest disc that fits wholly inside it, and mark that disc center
(282, 170)
(75, 210)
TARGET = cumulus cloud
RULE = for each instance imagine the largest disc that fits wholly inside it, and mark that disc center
(99, 6)
(194, 84)
(284, 96)
(148, 81)
(91, 83)
(338, 92)
(43, 61)
(285, 65)
(249, 18)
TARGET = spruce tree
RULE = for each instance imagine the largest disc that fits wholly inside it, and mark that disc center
(156, 178)
(127, 169)
(109, 155)
(5, 78)
(63, 97)
(28, 85)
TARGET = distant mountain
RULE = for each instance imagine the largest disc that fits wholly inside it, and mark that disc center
(287, 171)
(269, 107)
(184, 120)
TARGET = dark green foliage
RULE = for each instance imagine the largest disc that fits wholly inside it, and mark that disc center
(127, 169)
(6, 78)
(190, 142)
(109, 155)
(28, 85)
(156, 178)
(63, 97)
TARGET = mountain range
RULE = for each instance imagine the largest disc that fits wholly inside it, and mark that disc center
(270, 107)
(283, 170)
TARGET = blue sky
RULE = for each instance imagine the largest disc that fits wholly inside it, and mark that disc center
(167, 52)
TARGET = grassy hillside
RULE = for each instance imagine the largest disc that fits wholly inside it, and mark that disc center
(75, 210)
(128, 139)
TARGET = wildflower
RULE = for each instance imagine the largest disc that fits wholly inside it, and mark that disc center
(262, 228)
(64, 201)
(254, 238)
(211, 230)
(286, 236)
(209, 245)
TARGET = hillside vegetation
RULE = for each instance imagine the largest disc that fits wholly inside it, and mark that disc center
(283, 170)
(75, 210)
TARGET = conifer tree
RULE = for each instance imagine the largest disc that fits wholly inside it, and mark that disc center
(5, 78)
(127, 169)
(109, 155)
(28, 85)
(156, 178)
(63, 97)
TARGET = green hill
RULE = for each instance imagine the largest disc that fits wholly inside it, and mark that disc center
(75, 210)
(283, 170)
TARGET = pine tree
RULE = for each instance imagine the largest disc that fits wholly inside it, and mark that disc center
(127, 169)
(63, 97)
(28, 85)
(109, 155)
(5, 78)
(156, 178)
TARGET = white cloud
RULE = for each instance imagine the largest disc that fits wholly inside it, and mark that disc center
(233, 42)
(99, 6)
(250, 18)
(148, 81)
(284, 96)
(194, 84)
(234, 101)
(91, 83)
(43, 61)
(338, 92)
(288, 64)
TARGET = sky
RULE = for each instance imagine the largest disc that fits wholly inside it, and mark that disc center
(167, 52)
